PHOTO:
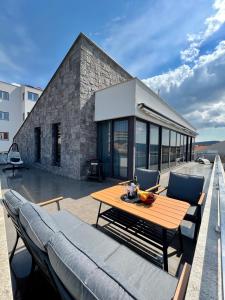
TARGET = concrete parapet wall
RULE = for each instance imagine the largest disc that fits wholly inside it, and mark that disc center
(5, 278)
(205, 278)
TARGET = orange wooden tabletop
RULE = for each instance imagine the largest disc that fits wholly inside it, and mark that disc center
(165, 212)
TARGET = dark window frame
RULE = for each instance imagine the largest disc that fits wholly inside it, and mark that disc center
(2, 93)
(4, 113)
(147, 139)
(132, 142)
(37, 140)
(56, 145)
(5, 136)
(34, 96)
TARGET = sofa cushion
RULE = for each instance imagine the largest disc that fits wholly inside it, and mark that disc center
(151, 281)
(38, 224)
(185, 187)
(66, 221)
(95, 244)
(82, 276)
(14, 201)
(147, 178)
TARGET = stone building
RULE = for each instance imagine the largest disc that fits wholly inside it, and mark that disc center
(68, 100)
(92, 108)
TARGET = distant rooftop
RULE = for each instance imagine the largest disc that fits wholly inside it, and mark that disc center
(20, 84)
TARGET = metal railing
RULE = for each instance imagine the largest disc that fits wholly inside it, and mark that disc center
(221, 196)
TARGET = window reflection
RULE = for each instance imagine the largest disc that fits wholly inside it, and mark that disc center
(165, 148)
(154, 147)
(173, 140)
(120, 150)
(141, 145)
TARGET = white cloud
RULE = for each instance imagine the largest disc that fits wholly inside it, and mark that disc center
(150, 39)
(189, 54)
(217, 53)
(212, 24)
(170, 79)
(197, 92)
(208, 115)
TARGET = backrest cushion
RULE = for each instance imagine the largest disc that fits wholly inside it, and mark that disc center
(185, 187)
(82, 276)
(147, 178)
(37, 223)
(14, 201)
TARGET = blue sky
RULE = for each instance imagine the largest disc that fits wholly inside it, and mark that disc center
(176, 47)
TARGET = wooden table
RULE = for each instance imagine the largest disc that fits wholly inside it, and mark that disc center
(166, 213)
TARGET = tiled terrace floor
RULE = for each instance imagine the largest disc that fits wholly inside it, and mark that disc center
(37, 186)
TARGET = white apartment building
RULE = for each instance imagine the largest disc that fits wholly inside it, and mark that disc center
(16, 101)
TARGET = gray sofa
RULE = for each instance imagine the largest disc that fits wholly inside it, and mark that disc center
(82, 262)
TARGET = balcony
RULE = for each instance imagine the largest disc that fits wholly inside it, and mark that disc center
(206, 278)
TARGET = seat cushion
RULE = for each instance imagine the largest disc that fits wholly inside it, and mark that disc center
(37, 223)
(185, 187)
(150, 281)
(96, 244)
(66, 221)
(84, 278)
(14, 201)
(122, 274)
(147, 178)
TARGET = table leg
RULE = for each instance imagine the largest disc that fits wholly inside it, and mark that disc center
(99, 210)
(181, 240)
(165, 247)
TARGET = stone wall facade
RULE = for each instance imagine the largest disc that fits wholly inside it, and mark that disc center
(69, 100)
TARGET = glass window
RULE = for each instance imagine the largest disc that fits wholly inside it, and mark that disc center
(173, 141)
(104, 146)
(189, 148)
(32, 96)
(178, 148)
(56, 147)
(37, 137)
(4, 95)
(193, 149)
(141, 145)
(4, 136)
(185, 148)
(4, 116)
(154, 147)
(120, 148)
(165, 148)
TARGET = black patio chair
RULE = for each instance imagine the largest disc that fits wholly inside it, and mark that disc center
(187, 188)
(147, 179)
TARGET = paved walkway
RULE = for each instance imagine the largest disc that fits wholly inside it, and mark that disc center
(37, 185)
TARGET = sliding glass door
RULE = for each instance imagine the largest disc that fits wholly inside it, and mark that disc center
(165, 148)
(154, 147)
(104, 146)
(120, 148)
(173, 140)
(141, 145)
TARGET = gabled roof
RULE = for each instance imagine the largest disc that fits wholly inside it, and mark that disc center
(80, 36)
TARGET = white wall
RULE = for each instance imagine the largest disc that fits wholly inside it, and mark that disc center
(147, 96)
(28, 104)
(122, 100)
(15, 106)
(116, 101)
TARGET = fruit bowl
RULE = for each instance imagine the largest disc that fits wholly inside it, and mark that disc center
(146, 197)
